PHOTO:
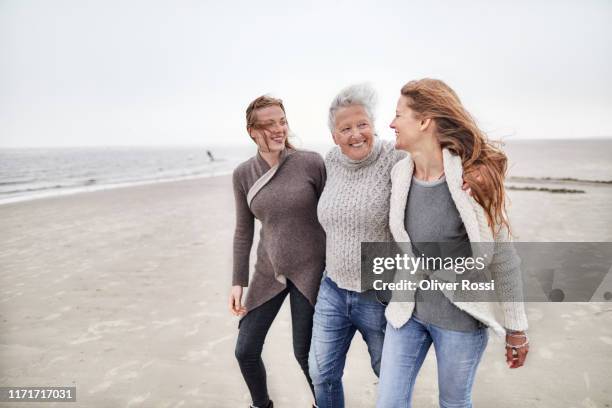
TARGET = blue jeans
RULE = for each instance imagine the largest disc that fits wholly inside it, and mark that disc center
(457, 355)
(338, 314)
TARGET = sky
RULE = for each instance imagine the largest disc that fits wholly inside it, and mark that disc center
(157, 73)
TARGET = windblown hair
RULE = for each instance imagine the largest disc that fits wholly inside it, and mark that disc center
(261, 102)
(358, 94)
(484, 164)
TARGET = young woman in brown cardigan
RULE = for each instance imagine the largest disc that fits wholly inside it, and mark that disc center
(280, 186)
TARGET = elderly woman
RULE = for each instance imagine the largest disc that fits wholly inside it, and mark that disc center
(353, 208)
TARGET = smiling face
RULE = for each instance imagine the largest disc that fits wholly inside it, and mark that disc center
(409, 130)
(353, 132)
(270, 129)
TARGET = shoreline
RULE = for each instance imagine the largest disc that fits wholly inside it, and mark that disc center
(104, 187)
(522, 180)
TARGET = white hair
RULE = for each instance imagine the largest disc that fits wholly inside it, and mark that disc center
(357, 94)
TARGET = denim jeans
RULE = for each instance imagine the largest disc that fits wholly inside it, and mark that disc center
(253, 330)
(338, 314)
(457, 355)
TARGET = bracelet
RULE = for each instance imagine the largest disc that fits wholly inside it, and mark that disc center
(518, 346)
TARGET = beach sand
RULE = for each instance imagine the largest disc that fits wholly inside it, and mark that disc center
(123, 294)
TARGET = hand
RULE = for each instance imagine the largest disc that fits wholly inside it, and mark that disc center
(465, 187)
(517, 347)
(235, 299)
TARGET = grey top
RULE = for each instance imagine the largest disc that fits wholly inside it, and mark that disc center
(354, 208)
(291, 242)
(432, 217)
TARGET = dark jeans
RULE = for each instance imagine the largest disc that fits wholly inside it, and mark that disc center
(253, 330)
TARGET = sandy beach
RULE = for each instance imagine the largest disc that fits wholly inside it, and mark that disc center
(122, 293)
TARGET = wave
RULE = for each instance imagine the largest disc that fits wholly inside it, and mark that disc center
(71, 182)
(91, 185)
(48, 187)
(570, 180)
(546, 189)
(15, 182)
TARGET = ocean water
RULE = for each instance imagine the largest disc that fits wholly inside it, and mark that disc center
(588, 159)
(34, 173)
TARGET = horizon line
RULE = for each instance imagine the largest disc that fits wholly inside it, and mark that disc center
(240, 144)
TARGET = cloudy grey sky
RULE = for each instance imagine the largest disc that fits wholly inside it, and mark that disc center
(89, 73)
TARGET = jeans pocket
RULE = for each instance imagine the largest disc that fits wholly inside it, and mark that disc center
(383, 297)
(372, 296)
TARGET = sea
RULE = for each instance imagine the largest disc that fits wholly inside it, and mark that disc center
(33, 173)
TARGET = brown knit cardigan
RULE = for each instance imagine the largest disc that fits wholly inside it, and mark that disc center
(292, 242)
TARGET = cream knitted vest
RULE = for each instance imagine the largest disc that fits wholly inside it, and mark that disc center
(502, 260)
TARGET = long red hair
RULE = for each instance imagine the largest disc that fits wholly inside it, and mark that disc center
(484, 164)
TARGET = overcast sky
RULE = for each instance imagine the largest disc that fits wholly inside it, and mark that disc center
(89, 73)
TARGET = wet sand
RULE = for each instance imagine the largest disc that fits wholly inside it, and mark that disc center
(122, 293)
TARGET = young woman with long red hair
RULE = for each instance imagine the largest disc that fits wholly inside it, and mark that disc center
(445, 147)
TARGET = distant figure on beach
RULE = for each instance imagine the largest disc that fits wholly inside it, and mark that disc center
(280, 186)
(445, 147)
(210, 155)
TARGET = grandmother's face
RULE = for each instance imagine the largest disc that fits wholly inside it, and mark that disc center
(353, 132)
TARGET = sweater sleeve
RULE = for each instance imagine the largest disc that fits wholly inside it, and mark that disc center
(243, 234)
(505, 268)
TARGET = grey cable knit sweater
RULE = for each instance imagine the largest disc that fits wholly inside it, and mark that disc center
(354, 208)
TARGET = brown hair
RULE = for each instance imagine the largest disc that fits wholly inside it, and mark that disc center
(484, 164)
(259, 103)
